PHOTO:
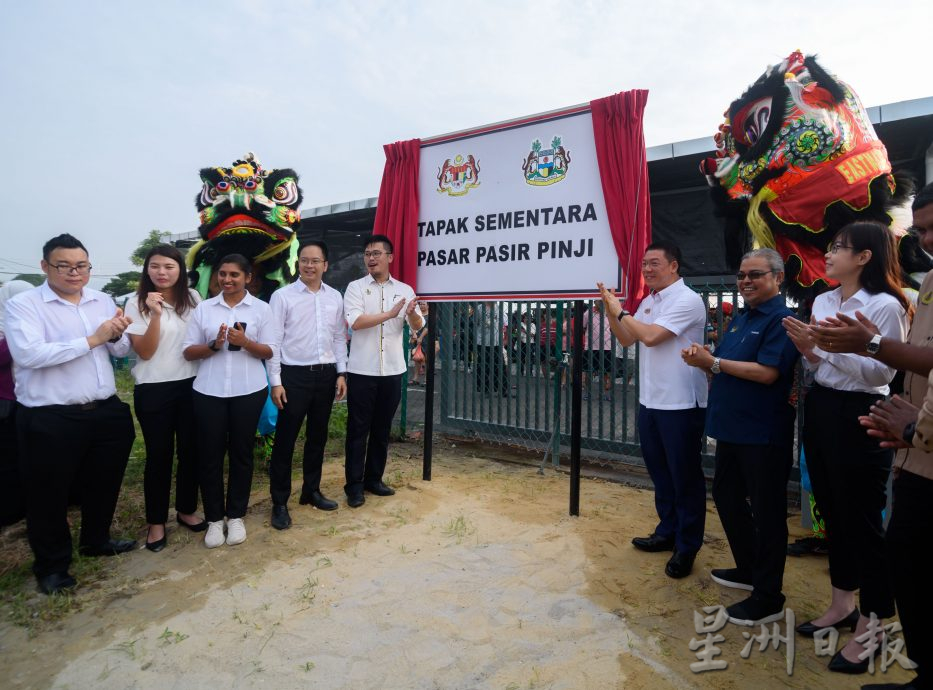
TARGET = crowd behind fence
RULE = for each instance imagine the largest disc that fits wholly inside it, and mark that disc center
(503, 375)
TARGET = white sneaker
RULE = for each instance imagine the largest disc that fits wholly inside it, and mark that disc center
(215, 534)
(236, 532)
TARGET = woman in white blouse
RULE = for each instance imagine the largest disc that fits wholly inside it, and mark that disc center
(230, 333)
(162, 396)
(848, 468)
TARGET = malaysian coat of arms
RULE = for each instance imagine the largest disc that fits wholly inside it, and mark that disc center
(546, 166)
(459, 176)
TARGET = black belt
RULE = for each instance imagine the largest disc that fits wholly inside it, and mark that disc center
(311, 367)
(82, 407)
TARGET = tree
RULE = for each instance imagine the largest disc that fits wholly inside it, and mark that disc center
(153, 239)
(31, 278)
(122, 283)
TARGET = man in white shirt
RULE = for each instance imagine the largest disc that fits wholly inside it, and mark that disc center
(75, 431)
(376, 307)
(672, 403)
(308, 365)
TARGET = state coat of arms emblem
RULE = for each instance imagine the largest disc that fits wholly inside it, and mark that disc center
(459, 176)
(546, 166)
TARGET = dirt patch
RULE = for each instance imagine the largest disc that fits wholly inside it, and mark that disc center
(477, 579)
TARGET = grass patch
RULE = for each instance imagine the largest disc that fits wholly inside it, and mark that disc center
(459, 528)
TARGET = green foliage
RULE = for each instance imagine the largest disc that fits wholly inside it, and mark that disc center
(536, 146)
(32, 278)
(153, 239)
(337, 428)
(555, 143)
(122, 283)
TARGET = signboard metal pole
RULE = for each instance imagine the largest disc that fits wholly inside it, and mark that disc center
(576, 408)
(429, 392)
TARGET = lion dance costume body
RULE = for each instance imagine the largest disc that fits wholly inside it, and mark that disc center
(249, 210)
(797, 159)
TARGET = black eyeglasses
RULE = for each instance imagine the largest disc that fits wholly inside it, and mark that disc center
(752, 275)
(836, 246)
(66, 269)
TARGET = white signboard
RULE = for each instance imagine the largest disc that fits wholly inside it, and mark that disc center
(517, 211)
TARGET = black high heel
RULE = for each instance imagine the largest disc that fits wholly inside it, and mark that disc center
(158, 544)
(808, 629)
(200, 527)
(840, 664)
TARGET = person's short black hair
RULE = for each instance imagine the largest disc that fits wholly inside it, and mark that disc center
(373, 239)
(320, 244)
(924, 198)
(63, 241)
(671, 251)
(239, 260)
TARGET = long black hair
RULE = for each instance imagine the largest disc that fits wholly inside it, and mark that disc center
(181, 297)
(881, 273)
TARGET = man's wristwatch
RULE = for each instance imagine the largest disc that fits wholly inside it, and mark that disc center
(715, 368)
(909, 431)
(623, 313)
(342, 373)
(874, 345)
(212, 346)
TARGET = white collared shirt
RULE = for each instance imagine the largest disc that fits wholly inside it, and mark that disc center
(308, 328)
(167, 362)
(377, 351)
(226, 374)
(666, 382)
(52, 361)
(852, 372)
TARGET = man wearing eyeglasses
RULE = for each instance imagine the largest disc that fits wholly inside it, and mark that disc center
(75, 431)
(672, 403)
(307, 373)
(752, 421)
(376, 307)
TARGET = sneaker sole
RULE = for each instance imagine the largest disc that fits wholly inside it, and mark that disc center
(761, 621)
(729, 583)
(234, 543)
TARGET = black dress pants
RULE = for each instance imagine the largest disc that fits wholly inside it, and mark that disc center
(12, 503)
(165, 411)
(849, 473)
(226, 426)
(309, 394)
(750, 491)
(908, 545)
(61, 446)
(372, 402)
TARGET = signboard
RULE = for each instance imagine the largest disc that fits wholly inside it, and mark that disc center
(516, 210)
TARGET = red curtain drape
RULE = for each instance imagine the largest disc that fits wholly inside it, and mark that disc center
(397, 210)
(623, 168)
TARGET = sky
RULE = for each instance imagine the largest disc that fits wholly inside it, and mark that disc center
(109, 109)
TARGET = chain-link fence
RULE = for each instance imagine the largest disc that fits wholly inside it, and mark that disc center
(503, 375)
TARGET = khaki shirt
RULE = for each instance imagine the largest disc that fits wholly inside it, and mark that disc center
(918, 392)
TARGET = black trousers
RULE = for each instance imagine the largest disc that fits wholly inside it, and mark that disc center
(62, 446)
(849, 473)
(671, 444)
(371, 403)
(226, 426)
(750, 491)
(309, 394)
(165, 412)
(908, 545)
(491, 373)
(12, 503)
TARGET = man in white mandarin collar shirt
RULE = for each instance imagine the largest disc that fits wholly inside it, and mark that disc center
(75, 431)
(376, 307)
(307, 371)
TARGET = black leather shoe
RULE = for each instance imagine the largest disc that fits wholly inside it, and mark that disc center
(111, 547)
(200, 527)
(56, 583)
(653, 543)
(808, 629)
(158, 544)
(680, 565)
(840, 664)
(280, 517)
(380, 489)
(318, 500)
(890, 686)
(356, 500)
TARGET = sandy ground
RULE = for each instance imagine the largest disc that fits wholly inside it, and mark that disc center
(477, 579)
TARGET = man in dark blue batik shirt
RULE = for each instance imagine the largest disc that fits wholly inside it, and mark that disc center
(753, 423)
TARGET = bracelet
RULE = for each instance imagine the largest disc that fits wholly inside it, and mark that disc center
(621, 314)
(212, 346)
(909, 432)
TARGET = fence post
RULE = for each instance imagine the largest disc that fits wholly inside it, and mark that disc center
(403, 417)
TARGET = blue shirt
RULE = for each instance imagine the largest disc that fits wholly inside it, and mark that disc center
(743, 411)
